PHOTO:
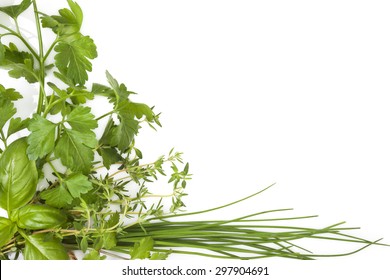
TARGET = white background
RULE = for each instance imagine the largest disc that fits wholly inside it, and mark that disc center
(257, 92)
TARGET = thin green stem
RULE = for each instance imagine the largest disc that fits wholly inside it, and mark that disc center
(105, 115)
(41, 60)
(17, 26)
(55, 170)
(49, 50)
(212, 209)
(21, 38)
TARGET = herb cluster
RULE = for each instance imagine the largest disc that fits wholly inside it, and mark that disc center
(95, 196)
(77, 198)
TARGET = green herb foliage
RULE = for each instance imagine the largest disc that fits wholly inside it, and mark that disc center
(64, 188)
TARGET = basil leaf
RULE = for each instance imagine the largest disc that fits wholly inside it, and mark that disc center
(7, 230)
(39, 248)
(36, 217)
(18, 176)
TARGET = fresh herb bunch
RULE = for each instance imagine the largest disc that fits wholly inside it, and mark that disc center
(95, 195)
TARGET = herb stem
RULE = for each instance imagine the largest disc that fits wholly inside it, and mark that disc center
(50, 49)
(21, 38)
(105, 115)
(55, 170)
(41, 61)
(17, 26)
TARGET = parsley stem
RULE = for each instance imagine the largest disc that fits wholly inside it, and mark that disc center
(50, 49)
(55, 171)
(21, 38)
(41, 61)
(105, 115)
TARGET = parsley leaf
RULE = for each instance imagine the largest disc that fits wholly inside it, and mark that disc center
(57, 197)
(110, 156)
(15, 10)
(123, 134)
(75, 149)
(72, 58)
(42, 137)
(159, 256)
(119, 91)
(81, 119)
(7, 111)
(17, 124)
(141, 250)
(19, 63)
(71, 187)
(2, 52)
(67, 22)
(9, 93)
(77, 184)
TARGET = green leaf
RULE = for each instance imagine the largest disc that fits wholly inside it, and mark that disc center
(109, 155)
(18, 176)
(140, 110)
(84, 244)
(82, 119)
(19, 63)
(42, 137)
(7, 111)
(57, 197)
(75, 149)
(124, 133)
(109, 240)
(61, 93)
(39, 248)
(159, 256)
(141, 250)
(77, 184)
(93, 255)
(67, 22)
(119, 92)
(73, 58)
(10, 94)
(15, 10)
(7, 230)
(77, 12)
(103, 90)
(17, 124)
(35, 217)
(2, 52)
